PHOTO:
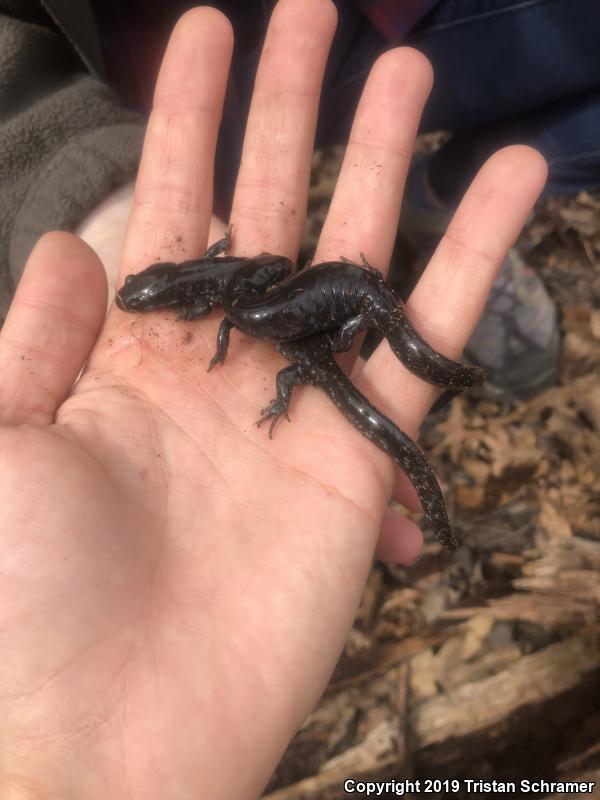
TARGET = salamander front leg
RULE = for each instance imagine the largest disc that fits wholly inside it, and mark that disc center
(198, 310)
(287, 378)
(222, 246)
(222, 343)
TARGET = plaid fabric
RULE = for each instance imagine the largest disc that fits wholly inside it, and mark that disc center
(395, 18)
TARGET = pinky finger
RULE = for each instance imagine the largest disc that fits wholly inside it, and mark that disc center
(400, 539)
(50, 329)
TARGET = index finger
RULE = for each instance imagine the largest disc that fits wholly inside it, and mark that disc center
(174, 188)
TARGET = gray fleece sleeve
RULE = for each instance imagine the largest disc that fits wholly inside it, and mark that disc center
(65, 139)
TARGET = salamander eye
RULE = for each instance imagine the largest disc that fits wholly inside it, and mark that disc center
(128, 279)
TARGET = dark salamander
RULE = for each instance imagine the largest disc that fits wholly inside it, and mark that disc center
(312, 363)
(339, 299)
(194, 287)
(309, 315)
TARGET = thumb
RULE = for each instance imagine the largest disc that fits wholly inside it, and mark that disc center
(50, 329)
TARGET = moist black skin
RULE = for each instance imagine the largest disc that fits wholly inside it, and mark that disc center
(309, 315)
(312, 363)
(193, 287)
(341, 299)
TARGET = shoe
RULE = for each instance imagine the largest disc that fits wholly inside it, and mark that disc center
(517, 339)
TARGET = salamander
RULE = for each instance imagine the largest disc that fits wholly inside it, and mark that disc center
(310, 315)
(194, 287)
(339, 299)
(312, 363)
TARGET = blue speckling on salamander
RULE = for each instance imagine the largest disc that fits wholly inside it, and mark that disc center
(308, 316)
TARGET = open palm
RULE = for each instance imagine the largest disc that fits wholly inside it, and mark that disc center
(175, 588)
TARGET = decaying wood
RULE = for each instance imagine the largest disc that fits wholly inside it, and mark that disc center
(484, 708)
(382, 713)
(375, 755)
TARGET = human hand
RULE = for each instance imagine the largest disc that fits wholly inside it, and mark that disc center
(103, 229)
(175, 588)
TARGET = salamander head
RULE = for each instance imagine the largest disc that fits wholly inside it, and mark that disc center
(154, 287)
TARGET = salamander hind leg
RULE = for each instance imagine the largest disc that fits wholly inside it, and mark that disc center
(222, 343)
(341, 340)
(363, 263)
(369, 267)
(287, 378)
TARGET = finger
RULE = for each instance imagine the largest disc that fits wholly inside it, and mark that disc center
(365, 208)
(405, 493)
(451, 294)
(400, 539)
(270, 199)
(52, 325)
(174, 188)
